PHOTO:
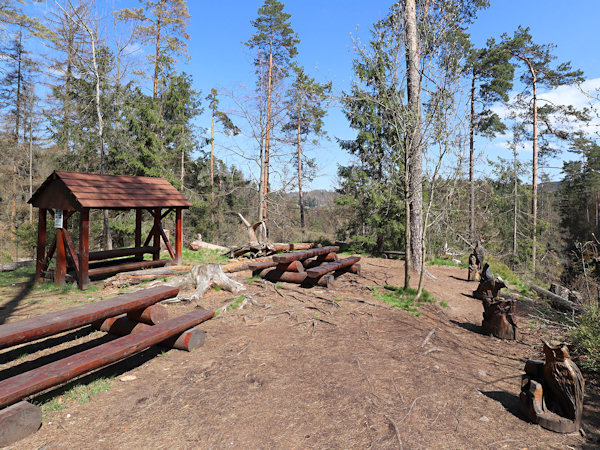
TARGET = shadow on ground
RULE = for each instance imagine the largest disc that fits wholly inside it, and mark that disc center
(508, 400)
(13, 303)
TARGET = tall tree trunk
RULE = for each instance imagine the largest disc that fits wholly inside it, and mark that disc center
(157, 47)
(31, 153)
(268, 134)
(534, 181)
(300, 199)
(472, 162)
(212, 155)
(19, 86)
(414, 134)
(407, 232)
(516, 199)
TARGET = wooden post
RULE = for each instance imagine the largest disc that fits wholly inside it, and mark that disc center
(138, 231)
(178, 235)
(61, 259)
(156, 231)
(41, 244)
(84, 248)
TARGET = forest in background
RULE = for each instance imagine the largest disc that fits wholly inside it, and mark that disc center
(73, 96)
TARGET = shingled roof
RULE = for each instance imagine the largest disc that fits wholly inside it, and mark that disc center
(74, 190)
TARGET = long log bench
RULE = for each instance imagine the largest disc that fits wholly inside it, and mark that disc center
(18, 418)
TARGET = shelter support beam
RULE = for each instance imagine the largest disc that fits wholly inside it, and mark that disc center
(84, 249)
(41, 244)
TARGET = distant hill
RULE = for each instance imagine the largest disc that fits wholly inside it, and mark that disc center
(316, 198)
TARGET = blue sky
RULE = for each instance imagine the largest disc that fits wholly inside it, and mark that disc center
(219, 59)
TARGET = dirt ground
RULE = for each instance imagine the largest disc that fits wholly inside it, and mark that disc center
(318, 368)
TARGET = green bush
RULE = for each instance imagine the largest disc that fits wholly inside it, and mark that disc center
(586, 338)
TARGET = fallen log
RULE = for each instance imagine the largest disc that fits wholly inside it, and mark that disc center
(15, 333)
(9, 267)
(319, 271)
(297, 277)
(238, 266)
(19, 421)
(139, 276)
(301, 256)
(557, 301)
(280, 247)
(20, 386)
(121, 326)
(257, 266)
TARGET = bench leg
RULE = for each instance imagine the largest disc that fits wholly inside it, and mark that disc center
(19, 421)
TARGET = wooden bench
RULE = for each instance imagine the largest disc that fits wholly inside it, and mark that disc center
(19, 418)
(393, 253)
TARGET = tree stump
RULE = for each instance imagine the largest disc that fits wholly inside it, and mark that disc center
(499, 318)
(552, 392)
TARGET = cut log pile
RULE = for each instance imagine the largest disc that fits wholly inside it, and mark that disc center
(136, 317)
(319, 266)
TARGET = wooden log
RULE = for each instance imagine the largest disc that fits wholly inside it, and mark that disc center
(329, 257)
(20, 386)
(557, 301)
(296, 277)
(316, 272)
(294, 266)
(15, 333)
(19, 421)
(238, 266)
(97, 272)
(261, 265)
(9, 267)
(84, 249)
(121, 326)
(280, 247)
(301, 256)
(119, 252)
(153, 314)
(354, 268)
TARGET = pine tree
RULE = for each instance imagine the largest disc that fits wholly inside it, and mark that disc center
(306, 111)
(275, 45)
(491, 78)
(538, 73)
(161, 23)
(228, 127)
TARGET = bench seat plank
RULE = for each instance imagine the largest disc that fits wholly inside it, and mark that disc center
(27, 330)
(20, 386)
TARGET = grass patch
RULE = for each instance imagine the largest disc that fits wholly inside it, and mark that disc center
(255, 278)
(78, 393)
(445, 261)
(402, 298)
(21, 275)
(586, 338)
(191, 257)
(235, 303)
(502, 270)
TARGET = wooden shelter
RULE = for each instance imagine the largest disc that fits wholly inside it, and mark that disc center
(65, 193)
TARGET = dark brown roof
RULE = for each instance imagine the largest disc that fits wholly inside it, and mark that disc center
(74, 190)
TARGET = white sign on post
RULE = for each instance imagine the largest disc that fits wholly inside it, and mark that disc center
(58, 218)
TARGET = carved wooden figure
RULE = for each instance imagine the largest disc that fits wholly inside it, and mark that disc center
(499, 318)
(488, 286)
(552, 392)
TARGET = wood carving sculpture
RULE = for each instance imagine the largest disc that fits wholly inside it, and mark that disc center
(476, 261)
(499, 314)
(552, 392)
(488, 286)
